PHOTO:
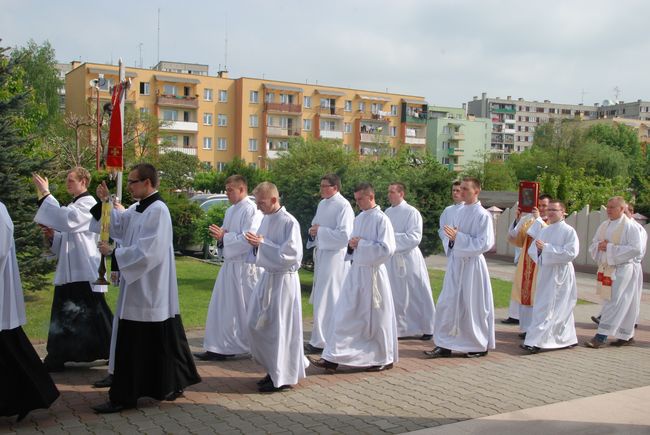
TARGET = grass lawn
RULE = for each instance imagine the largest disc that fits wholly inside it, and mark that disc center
(195, 282)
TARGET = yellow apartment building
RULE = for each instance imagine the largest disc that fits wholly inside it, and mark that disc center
(218, 118)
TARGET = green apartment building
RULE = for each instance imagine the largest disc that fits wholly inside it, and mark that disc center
(455, 138)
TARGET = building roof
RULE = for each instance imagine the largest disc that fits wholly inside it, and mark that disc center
(171, 79)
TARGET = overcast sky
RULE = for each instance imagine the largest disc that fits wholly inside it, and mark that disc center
(445, 50)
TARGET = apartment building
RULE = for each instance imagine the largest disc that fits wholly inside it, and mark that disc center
(456, 139)
(218, 118)
(514, 121)
(635, 110)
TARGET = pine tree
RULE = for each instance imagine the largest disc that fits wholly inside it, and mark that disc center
(16, 167)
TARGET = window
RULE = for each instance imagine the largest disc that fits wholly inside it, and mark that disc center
(306, 124)
(223, 96)
(362, 106)
(393, 131)
(207, 94)
(222, 120)
(222, 144)
(186, 141)
(445, 129)
(540, 110)
(169, 90)
(527, 108)
(144, 88)
(170, 115)
(207, 143)
(268, 98)
(253, 121)
(328, 125)
(171, 140)
(348, 106)
(566, 111)
(376, 107)
(207, 119)
(393, 109)
(284, 99)
(307, 102)
(348, 127)
(221, 166)
(252, 144)
(254, 97)
(551, 110)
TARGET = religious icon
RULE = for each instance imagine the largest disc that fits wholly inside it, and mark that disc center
(528, 195)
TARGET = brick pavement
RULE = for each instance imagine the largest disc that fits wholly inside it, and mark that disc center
(418, 393)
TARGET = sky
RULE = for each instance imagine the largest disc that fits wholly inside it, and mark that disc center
(444, 50)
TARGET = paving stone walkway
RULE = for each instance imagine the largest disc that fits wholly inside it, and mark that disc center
(418, 393)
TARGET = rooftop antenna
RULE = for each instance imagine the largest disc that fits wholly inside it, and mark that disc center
(617, 92)
(225, 61)
(582, 96)
(158, 42)
(140, 49)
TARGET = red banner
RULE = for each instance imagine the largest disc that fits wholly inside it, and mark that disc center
(114, 155)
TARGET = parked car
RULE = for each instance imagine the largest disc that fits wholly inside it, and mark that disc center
(207, 201)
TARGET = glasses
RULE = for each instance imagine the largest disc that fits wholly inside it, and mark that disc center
(553, 209)
(130, 182)
(326, 185)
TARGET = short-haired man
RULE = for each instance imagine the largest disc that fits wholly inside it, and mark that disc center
(449, 213)
(80, 323)
(555, 247)
(521, 234)
(465, 310)
(152, 356)
(275, 309)
(329, 234)
(365, 332)
(226, 330)
(615, 245)
(409, 278)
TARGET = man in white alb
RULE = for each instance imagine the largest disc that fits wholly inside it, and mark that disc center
(328, 235)
(615, 245)
(465, 310)
(555, 247)
(226, 331)
(408, 274)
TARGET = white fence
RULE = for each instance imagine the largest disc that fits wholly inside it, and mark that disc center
(584, 222)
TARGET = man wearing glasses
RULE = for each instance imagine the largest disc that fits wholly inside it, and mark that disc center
(152, 356)
(555, 246)
(328, 235)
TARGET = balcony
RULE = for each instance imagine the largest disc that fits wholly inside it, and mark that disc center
(283, 108)
(422, 119)
(331, 134)
(455, 167)
(415, 140)
(509, 130)
(509, 121)
(374, 137)
(189, 150)
(458, 136)
(183, 126)
(282, 131)
(331, 111)
(177, 101)
(497, 110)
(456, 152)
(274, 154)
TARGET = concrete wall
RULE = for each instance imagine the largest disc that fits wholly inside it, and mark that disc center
(585, 222)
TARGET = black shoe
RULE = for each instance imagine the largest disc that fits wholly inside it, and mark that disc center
(173, 395)
(426, 337)
(438, 352)
(309, 349)
(104, 383)
(269, 388)
(595, 319)
(619, 342)
(53, 366)
(323, 363)
(522, 335)
(475, 354)
(108, 408)
(265, 380)
(510, 321)
(531, 349)
(379, 368)
(211, 356)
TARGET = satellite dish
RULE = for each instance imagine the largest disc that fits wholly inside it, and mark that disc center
(98, 82)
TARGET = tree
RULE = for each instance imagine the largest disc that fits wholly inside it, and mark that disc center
(177, 169)
(16, 167)
(493, 173)
(38, 63)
